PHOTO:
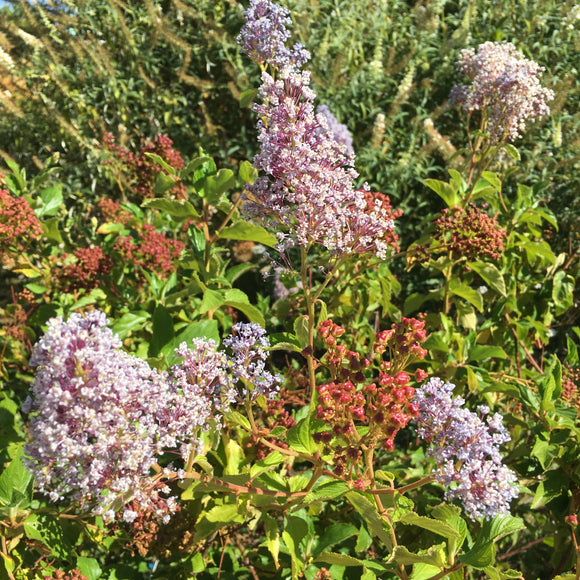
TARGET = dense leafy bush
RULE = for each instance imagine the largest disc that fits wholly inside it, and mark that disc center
(232, 348)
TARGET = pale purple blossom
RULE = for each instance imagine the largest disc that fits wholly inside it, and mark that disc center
(307, 182)
(101, 418)
(338, 130)
(94, 434)
(264, 35)
(248, 346)
(466, 450)
(505, 87)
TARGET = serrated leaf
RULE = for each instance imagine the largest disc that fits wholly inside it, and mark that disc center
(434, 556)
(493, 179)
(15, 478)
(339, 559)
(436, 526)
(160, 161)
(193, 165)
(512, 151)
(175, 207)
(482, 552)
(480, 352)
(327, 490)
(253, 314)
(444, 190)
(89, 567)
(490, 275)
(242, 230)
(300, 438)
(247, 172)
(370, 515)
(467, 293)
(51, 201)
(295, 530)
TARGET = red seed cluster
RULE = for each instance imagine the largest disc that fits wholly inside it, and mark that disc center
(390, 237)
(18, 223)
(152, 251)
(350, 399)
(143, 170)
(570, 386)
(275, 415)
(60, 575)
(470, 233)
(112, 211)
(85, 269)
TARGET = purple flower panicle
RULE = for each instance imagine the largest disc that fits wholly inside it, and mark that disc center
(466, 450)
(505, 86)
(94, 436)
(338, 130)
(247, 362)
(101, 417)
(307, 181)
(264, 35)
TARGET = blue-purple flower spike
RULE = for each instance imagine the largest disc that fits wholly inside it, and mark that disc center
(466, 450)
(263, 37)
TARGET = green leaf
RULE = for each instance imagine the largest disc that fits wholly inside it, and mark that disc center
(89, 567)
(272, 537)
(482, 553)
(180, 208)
(238, 419)
(274, 458)
(467, 293)
(437, 526)
(563, 291)
(434, 556)
(253, 314)
(219, 516)
(490, 275)
(327, 490)
(162, 330)
(242, 230)
(512, 151)
(51, 201)
(247, 97)
(163, 183)
(480, 352)
(538, 251)
(301, 330)
(339, 559)
(51, 231)
(212, 299)
(451, 516)
(15, 478)
(193, 165)
(295, 530)
(160, 161)
(247, 172)
(572, 355)
(371, 516)
(334, 535)
(130, 321)
(445, 191)
(217, 184)
(493, 179)
(300, 438)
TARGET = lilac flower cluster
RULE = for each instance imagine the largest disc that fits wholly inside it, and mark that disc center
(307, 182)
(264, 35)
(306, 159)
(505, 86)
(247, 361)
(466, 450)
(95, 437)
(338, 130)
(101, 418)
